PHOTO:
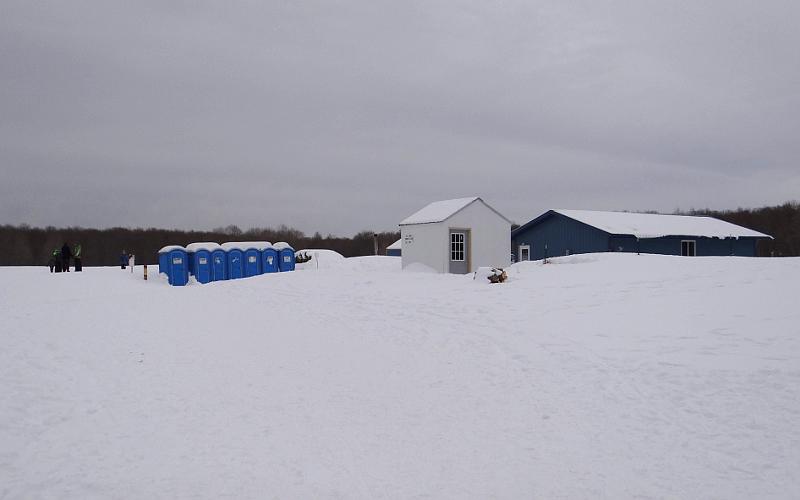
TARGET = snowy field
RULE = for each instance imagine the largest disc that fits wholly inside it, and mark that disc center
(600, 376)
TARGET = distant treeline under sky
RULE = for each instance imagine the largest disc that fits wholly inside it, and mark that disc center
(29, 246)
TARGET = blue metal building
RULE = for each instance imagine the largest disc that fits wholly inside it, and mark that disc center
(395, 249)
(564, 232)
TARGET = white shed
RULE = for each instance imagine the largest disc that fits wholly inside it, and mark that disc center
(456, 236)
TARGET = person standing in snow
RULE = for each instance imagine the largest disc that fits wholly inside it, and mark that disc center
(123, 259)
(52, 262)
(57, 259)
(132, 261)
(66, 253)
(76, 256)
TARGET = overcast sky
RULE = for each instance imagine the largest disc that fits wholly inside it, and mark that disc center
(339, 116)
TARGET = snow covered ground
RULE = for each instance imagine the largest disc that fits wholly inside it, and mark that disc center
(598, 376)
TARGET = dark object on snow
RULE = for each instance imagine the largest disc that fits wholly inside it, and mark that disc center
(52, 263)
(499, 275)
(302, 257)
(58, 265)
(123, 260)
(66, 253)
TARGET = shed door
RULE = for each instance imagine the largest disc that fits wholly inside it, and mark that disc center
(459, 251)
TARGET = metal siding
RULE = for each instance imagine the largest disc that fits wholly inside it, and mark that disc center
(704, 247)
(560, 234)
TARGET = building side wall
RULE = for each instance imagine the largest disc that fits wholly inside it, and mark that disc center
(704, 247)
(561, 235)
(490, 236)
(428, 247)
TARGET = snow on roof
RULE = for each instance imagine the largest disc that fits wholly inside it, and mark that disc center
(658, 225)
(246, 245)
(281, 245)
(438, 211)
(208, 246)
(397, 245)
(170, 248)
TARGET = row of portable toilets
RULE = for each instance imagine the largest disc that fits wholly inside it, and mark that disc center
(209, 262)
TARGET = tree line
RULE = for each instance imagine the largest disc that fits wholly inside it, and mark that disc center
(782, 222)
(24, 245)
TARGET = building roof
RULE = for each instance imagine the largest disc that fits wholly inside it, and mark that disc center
(397, 245)
(656, 225)
(439, 211)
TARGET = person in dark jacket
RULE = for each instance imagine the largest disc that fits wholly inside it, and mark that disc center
(66, 253)
(52, 263)
(76, 256)
(123, 260)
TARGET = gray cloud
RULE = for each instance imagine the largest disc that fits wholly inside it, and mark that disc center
(342, 116)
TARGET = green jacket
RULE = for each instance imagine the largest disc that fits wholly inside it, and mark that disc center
(76, 251)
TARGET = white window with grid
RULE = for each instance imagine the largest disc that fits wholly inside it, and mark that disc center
(457, 247)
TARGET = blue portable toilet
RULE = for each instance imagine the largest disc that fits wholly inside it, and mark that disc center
(200, 263)
(269, 260)
(235, 259)
(252, 257)
(285, 256)
(219, 265)
(163, 258)
(176, 265)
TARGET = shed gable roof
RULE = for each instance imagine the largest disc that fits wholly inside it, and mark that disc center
(655, 225)
(440, 211)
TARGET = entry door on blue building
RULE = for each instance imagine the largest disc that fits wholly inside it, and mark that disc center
(459, 251)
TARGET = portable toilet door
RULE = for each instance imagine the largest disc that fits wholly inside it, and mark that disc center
(252, 262)
(269, 260)
(178, 272)
(201, 264)
(287, 259)
(219, 265)
(200, 260)
(235, 264)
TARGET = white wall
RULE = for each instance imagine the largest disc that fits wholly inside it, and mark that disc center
(490, 244)
(429, 246)
(491, 235)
